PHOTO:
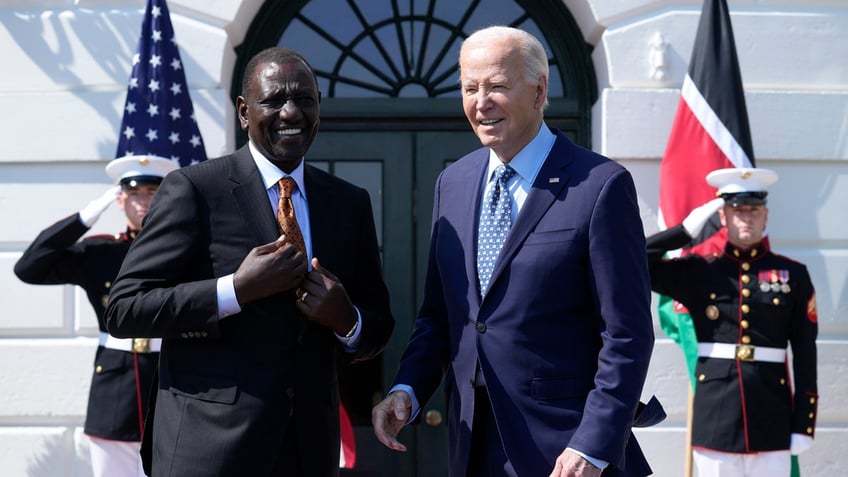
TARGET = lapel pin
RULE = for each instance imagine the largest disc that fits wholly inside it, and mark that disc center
(553, 180)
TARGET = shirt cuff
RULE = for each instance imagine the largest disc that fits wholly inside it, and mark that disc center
(408, 390)
(351, 343)
(601, 464)
(227, 302)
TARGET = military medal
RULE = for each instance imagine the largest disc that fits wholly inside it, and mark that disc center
(784, 281)
(712, 312)
(765, 282)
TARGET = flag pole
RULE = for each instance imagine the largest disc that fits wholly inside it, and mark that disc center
(687, 464)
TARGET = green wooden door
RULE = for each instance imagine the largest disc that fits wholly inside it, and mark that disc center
(399, 170)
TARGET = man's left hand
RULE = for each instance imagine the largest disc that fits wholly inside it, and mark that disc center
(569, 464)
(323, 299)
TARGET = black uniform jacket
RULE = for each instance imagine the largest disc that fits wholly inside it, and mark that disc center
(745, 297)
(121, 380)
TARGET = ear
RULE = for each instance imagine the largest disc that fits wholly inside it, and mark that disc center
(241, 110)
(541, 92)
(722, 217)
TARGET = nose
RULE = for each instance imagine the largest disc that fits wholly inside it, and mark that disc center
(289, 108)
(482, 99)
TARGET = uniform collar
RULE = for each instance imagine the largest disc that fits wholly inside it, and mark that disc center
(752, 253)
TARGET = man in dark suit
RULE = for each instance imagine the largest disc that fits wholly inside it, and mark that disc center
(252, 330)
(544, 362)
(123, 369)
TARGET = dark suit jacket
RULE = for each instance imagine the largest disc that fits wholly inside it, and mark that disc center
(227, 387)
(564, 335)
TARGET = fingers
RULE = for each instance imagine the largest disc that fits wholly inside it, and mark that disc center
(386, 424)
(323, 271)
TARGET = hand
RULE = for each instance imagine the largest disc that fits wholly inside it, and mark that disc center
(388, 418)
(323, 299)
(695, 221)
(569, 464)
(92, 211)
(268, 269)
(800, 443)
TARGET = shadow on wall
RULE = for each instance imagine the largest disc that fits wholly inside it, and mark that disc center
(50, 39)
(59, 456)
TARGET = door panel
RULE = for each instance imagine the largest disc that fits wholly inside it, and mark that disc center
(399, 170)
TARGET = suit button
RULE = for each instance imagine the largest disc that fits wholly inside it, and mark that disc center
(809, 430)
(746, 266)
(481, 327)
(812, 415)
(746, 292)
(701, 377)
(98, 369)
(744, 324)
(746, 309)
(746, 339)
(746, 278)
(776, 301)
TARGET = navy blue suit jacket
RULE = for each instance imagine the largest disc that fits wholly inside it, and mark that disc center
(564, 335)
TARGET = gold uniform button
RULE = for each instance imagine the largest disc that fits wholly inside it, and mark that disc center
(712, 296)
(812, 415)
(746, 339)
(812, 400)
(809, 430)
(746, 266)
(744, 324)
(746, 278)
(98, 369)
(701, 377)
(753, 253)
(746, 309)
(108, 284)
(746, 292)
(782, 381)
(776, 301)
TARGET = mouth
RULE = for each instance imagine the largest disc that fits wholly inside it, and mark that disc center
(288, 132)
(490, 122)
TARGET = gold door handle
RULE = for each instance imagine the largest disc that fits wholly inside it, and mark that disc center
(433, 418)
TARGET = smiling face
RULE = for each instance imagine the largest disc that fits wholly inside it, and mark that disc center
(502, 104)
(279, 110)
(745, 224)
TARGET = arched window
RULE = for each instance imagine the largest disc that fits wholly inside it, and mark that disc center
(367, 52)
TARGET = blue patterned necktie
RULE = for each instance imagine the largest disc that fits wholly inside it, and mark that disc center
(495, 222)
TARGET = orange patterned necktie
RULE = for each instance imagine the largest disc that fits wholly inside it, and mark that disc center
(286, 217)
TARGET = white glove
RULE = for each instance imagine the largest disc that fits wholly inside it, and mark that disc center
(695, 221)
(91, 212)
(800, 443)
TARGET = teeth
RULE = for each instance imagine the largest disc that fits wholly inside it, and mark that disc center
(288, 132)
(489, 122)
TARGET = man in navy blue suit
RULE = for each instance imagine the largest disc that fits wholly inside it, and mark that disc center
(536, 309)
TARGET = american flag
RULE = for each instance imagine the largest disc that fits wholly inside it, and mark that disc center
(158, 114)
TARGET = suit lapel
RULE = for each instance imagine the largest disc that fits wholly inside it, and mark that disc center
(251, 197)
(552, 178)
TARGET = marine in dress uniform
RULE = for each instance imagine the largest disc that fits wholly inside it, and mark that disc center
(123, 368)
(747, 304)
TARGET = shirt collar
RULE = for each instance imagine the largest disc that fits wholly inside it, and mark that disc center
(529, 160)
(272, 174)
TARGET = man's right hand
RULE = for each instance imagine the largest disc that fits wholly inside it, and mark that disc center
(94, 209)
(695, 221)
(388, 418)
(268, 269)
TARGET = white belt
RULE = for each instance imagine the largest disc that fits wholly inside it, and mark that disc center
(742, 352)
(135, 345)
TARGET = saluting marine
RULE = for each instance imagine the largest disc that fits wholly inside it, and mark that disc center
(747, 304)
(123, 368)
